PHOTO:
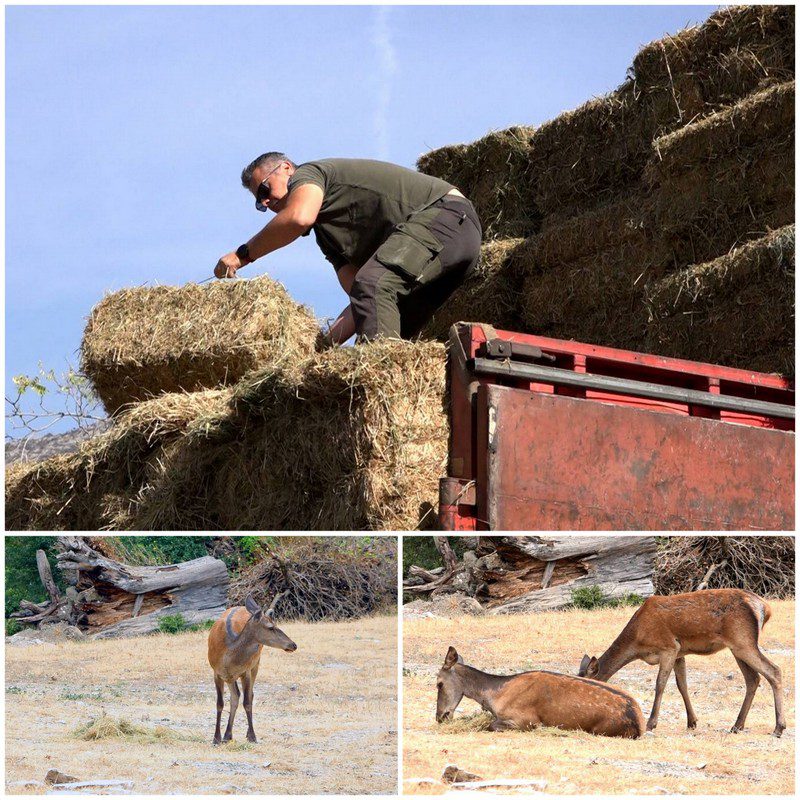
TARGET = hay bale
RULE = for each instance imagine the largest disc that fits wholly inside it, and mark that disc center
(350, 439)
(735, 51)
(359, 443)
(584, 276)
(585, 157)
(494, 173)
(767, 115)
(39, 496)
(737, 310)
(490, 294)
(726, 178)
(98, 487)
(143, 342)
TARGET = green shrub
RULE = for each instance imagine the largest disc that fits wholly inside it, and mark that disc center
(589, 597)
(157, 550)
(201, 626)
(421, 551)
(22, 577)
(253, 548)
(172, 623)
(12, 627)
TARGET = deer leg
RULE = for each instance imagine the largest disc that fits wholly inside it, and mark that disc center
(247, 688)
(501, 725)
(220, 684)
(664, 669)
(760, 663)
(233, 686)
(751, 681)
(680, 679)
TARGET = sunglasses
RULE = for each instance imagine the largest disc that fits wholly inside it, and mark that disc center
(263, 191)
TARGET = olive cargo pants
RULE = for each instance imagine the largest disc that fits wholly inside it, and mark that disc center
(416, 269)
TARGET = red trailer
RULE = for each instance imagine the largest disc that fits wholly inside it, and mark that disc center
(548, 434)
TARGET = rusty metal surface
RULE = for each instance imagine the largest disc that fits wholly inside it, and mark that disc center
(550, 462)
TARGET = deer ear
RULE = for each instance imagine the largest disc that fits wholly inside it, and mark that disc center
(251, 605)
(584, 665)
(451, 658)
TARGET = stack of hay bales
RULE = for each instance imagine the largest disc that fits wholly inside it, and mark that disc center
(346, 439)
(691, 159)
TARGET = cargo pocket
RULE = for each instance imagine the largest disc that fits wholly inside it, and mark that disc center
(413, 250)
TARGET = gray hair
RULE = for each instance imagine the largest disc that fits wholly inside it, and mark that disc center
(268, 160)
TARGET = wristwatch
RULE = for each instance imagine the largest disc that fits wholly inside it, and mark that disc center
(243, 253)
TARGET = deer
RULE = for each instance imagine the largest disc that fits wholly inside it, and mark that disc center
(664, 630)
(234, 650)
(530, 699)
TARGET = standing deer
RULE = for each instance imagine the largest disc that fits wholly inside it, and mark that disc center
(234, 650)
(531, 699)
(666, 629)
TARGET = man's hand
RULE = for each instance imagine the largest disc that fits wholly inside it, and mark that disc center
(227, 266)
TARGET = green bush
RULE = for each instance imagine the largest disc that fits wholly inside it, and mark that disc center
(201, 626)
(158, 550)
(22, 577)
(172, 623)
(589, 597)
(175, 623)
(12, 627)
(421, 551)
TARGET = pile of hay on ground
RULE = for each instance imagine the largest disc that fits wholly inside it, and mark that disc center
(328, 579)
(490, 294)
(494, 173)
(760, 564)
(349, 439)
(144, 342)
(737, 310)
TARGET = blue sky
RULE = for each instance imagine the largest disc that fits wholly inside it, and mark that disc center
(127, 128)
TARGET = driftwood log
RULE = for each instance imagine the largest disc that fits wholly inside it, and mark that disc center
(106, 598)
(538, 573)
(526, 574)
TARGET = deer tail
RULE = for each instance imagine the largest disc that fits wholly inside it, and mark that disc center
(760, 609)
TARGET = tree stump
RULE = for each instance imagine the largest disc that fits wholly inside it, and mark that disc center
(538, 573)
(107, 598)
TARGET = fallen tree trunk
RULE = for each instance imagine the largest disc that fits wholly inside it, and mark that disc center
(108, 599)
(526, 574)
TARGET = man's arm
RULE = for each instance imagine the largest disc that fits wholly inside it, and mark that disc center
(302, 207)
(344, 326)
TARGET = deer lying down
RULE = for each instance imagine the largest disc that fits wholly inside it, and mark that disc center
(666, 629)
(234, 651)
(531, 699)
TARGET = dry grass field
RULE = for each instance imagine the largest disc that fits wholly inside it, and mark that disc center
(325, 716)
(672, 759)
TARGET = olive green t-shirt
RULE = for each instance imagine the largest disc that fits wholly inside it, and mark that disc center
(362, 202)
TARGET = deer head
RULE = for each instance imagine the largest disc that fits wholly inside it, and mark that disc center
(449, 685)
(589, 667)
(263, 628)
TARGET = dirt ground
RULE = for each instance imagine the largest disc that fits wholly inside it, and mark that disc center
(325, 716)
(670, 760)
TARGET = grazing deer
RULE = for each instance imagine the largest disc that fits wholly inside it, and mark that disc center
(531, 699)
(666, 629)
(234, 650)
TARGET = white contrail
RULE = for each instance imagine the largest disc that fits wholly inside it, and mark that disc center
(387, 67)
